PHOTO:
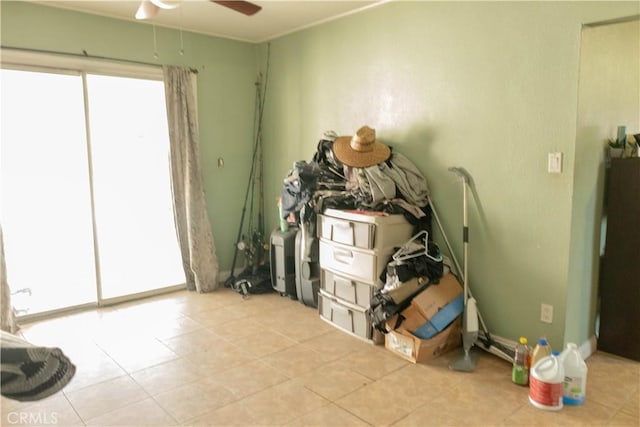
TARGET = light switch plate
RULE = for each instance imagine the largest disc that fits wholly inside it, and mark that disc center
(554, 163)
(546, 313)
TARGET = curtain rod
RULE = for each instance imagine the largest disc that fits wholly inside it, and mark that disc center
(84, 54)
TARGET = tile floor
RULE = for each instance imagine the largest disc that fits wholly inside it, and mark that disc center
(216, 359)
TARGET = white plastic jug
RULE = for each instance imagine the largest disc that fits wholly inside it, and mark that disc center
(575, 376)
(545, 384)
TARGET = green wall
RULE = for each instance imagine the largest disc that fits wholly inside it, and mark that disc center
(491, 87)
(227, 71)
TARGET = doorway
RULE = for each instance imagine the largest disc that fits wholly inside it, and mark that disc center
(86, 198)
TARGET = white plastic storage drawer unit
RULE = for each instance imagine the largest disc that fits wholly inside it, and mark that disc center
(351, 291)
(363, 229)
(357, 264)
(355, 247)
(349, 318)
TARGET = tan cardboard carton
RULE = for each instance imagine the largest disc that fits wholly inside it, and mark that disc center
(416, 350)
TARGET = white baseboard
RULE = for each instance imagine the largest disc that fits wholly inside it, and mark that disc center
(586, 349)
(589, 347)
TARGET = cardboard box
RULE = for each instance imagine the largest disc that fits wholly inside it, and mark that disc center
(436, 297)
(413, 319)
(442, 299)
(441, 319)
(416, 350)
(435, 315)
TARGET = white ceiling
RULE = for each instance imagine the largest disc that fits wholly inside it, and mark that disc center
(201, 16)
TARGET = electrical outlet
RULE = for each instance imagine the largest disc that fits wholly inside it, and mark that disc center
(546, 313)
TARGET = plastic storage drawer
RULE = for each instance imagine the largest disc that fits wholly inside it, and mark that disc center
(350, 319)
(364, 230)
(352, 291)
(360, 265)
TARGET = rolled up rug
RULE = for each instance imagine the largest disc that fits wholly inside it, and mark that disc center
(29, 372)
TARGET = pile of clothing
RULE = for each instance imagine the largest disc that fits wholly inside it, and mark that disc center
(355, 172)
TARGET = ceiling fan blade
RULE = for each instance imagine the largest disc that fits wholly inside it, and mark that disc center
(243, 7)
(166, 4)
(146, 10)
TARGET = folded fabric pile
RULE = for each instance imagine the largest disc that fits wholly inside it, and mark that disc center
(30, 372)
(356, 172)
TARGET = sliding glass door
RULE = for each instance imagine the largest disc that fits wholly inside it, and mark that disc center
(46, 209)
(134, 214)
(86, 202)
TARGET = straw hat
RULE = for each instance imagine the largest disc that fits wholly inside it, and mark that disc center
(361, 150)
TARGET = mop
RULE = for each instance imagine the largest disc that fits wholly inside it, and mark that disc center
(471, 315)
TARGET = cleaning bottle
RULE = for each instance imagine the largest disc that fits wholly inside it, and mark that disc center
(542, 349)
(547, 376)
(575, 376)
(521, 360)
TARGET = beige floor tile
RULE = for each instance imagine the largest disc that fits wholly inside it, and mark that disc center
(270, 360)
(336, 344)
(216, 316)
(168, 328)
(622, 419)
(143, 413)
(612, 380)
(235, 414)
(288, 313)
(247, 379)
(166, 376)
(161, 307)
(376, 405)
(265, 343)
(7, 405)
(611, 391)
(63, 332)
(98, 399)
(224, 355)
(93, 368)
(193, 302)
(397, 394)
(305, 329)
(590, 414)
(135, 352)
(199, 340)
(333, 382)
(374, 363)
(468, 400)
(632, 405)
(256, 307)
(328, 416)
(233, 331)
(283, 403)
(296, 360)
(54, 410)
(192, 400)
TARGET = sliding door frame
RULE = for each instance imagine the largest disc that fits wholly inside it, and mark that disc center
(21, 60)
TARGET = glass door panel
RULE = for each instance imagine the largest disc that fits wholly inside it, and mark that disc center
(138, 248)
(44, 194)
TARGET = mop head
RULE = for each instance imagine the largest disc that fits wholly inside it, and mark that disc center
(467, 363)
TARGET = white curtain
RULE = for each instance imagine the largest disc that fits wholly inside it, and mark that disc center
(192, 222)
(7, 314)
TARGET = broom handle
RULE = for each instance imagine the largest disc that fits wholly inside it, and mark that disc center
(465, 239)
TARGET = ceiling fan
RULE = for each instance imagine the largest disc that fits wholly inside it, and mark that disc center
(149, 8)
